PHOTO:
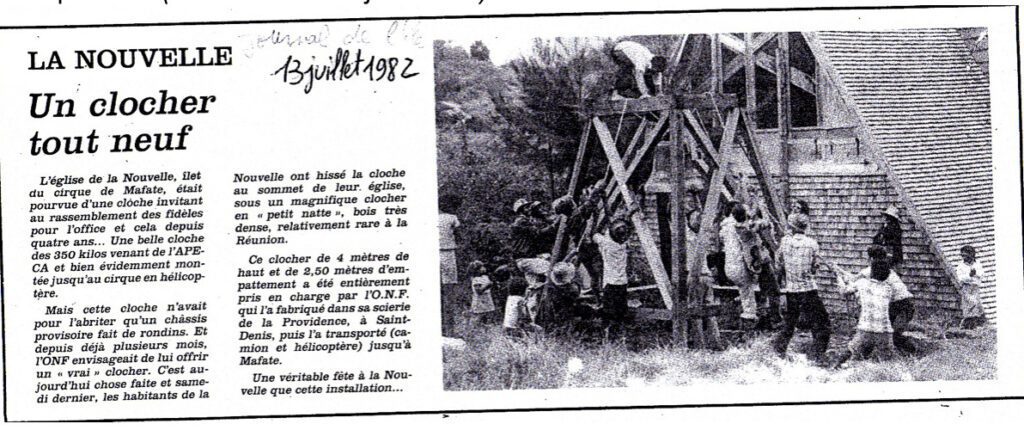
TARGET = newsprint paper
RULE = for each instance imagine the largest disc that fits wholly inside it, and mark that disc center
(363, 209)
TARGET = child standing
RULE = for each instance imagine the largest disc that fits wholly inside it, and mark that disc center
(614, 255)
(481, 309)
(516, 317)
(969, 275)
(535, 271)
(874, 330)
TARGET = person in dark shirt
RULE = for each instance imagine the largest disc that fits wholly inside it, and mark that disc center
(890, 237)
(531, 235)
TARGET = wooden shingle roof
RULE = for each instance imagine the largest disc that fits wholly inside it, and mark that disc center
(925, 104)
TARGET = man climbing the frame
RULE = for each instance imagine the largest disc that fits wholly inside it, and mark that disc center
(639, 74)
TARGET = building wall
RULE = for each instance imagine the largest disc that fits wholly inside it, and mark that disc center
(845, 214)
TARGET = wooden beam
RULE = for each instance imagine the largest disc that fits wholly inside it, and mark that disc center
(683, 72)
(716, 65)
(765, 61)
(752, 45)
(707, 169)
(677, 55)
(642, 288)
(639, 225)
(819, 102)
(785, 110)
(666, 315)
(708, 215)
(664, 214)
(798, 78)
(610, 189)
(596, 219)
(628, 155)
(824, 133)
(575, 186)
(619, 107)
(761, 40)
(750, 78)
(677, 179)
(702, 134)
(705, 100)
(756, 158)
(733, 43)
(653, 314)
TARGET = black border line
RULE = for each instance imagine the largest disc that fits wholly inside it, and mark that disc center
(1020, 119)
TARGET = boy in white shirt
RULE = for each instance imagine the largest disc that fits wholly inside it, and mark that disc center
(969, 276)
(615, 255)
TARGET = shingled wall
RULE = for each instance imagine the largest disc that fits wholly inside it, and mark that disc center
(924, 103)
(845, 214)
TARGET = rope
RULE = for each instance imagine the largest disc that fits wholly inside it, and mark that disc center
(622, 116)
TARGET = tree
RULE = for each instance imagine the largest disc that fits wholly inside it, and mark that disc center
(557, 78)
(479, 51)
(475, 158)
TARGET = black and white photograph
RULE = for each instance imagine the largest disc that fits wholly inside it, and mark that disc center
(730, 208)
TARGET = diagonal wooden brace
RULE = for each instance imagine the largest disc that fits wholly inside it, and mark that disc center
(650, 249)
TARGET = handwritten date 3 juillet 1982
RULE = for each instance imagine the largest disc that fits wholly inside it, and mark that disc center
(344, 64)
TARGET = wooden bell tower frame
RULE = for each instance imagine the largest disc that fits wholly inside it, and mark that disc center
(688, 118)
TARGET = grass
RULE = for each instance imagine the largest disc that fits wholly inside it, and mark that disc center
(491, 361)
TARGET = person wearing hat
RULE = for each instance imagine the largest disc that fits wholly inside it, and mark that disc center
(969, 276)
(535, 271)
(557, 303)
(546, 224)
(528, 230)
(797, 260)
(890, 237)
(521, 230)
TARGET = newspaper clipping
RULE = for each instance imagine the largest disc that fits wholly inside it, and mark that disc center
(523, 211)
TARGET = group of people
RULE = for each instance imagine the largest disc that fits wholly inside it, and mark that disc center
(885, 303)
(524, 290)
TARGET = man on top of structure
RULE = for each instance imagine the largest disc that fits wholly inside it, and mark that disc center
(639, 72)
